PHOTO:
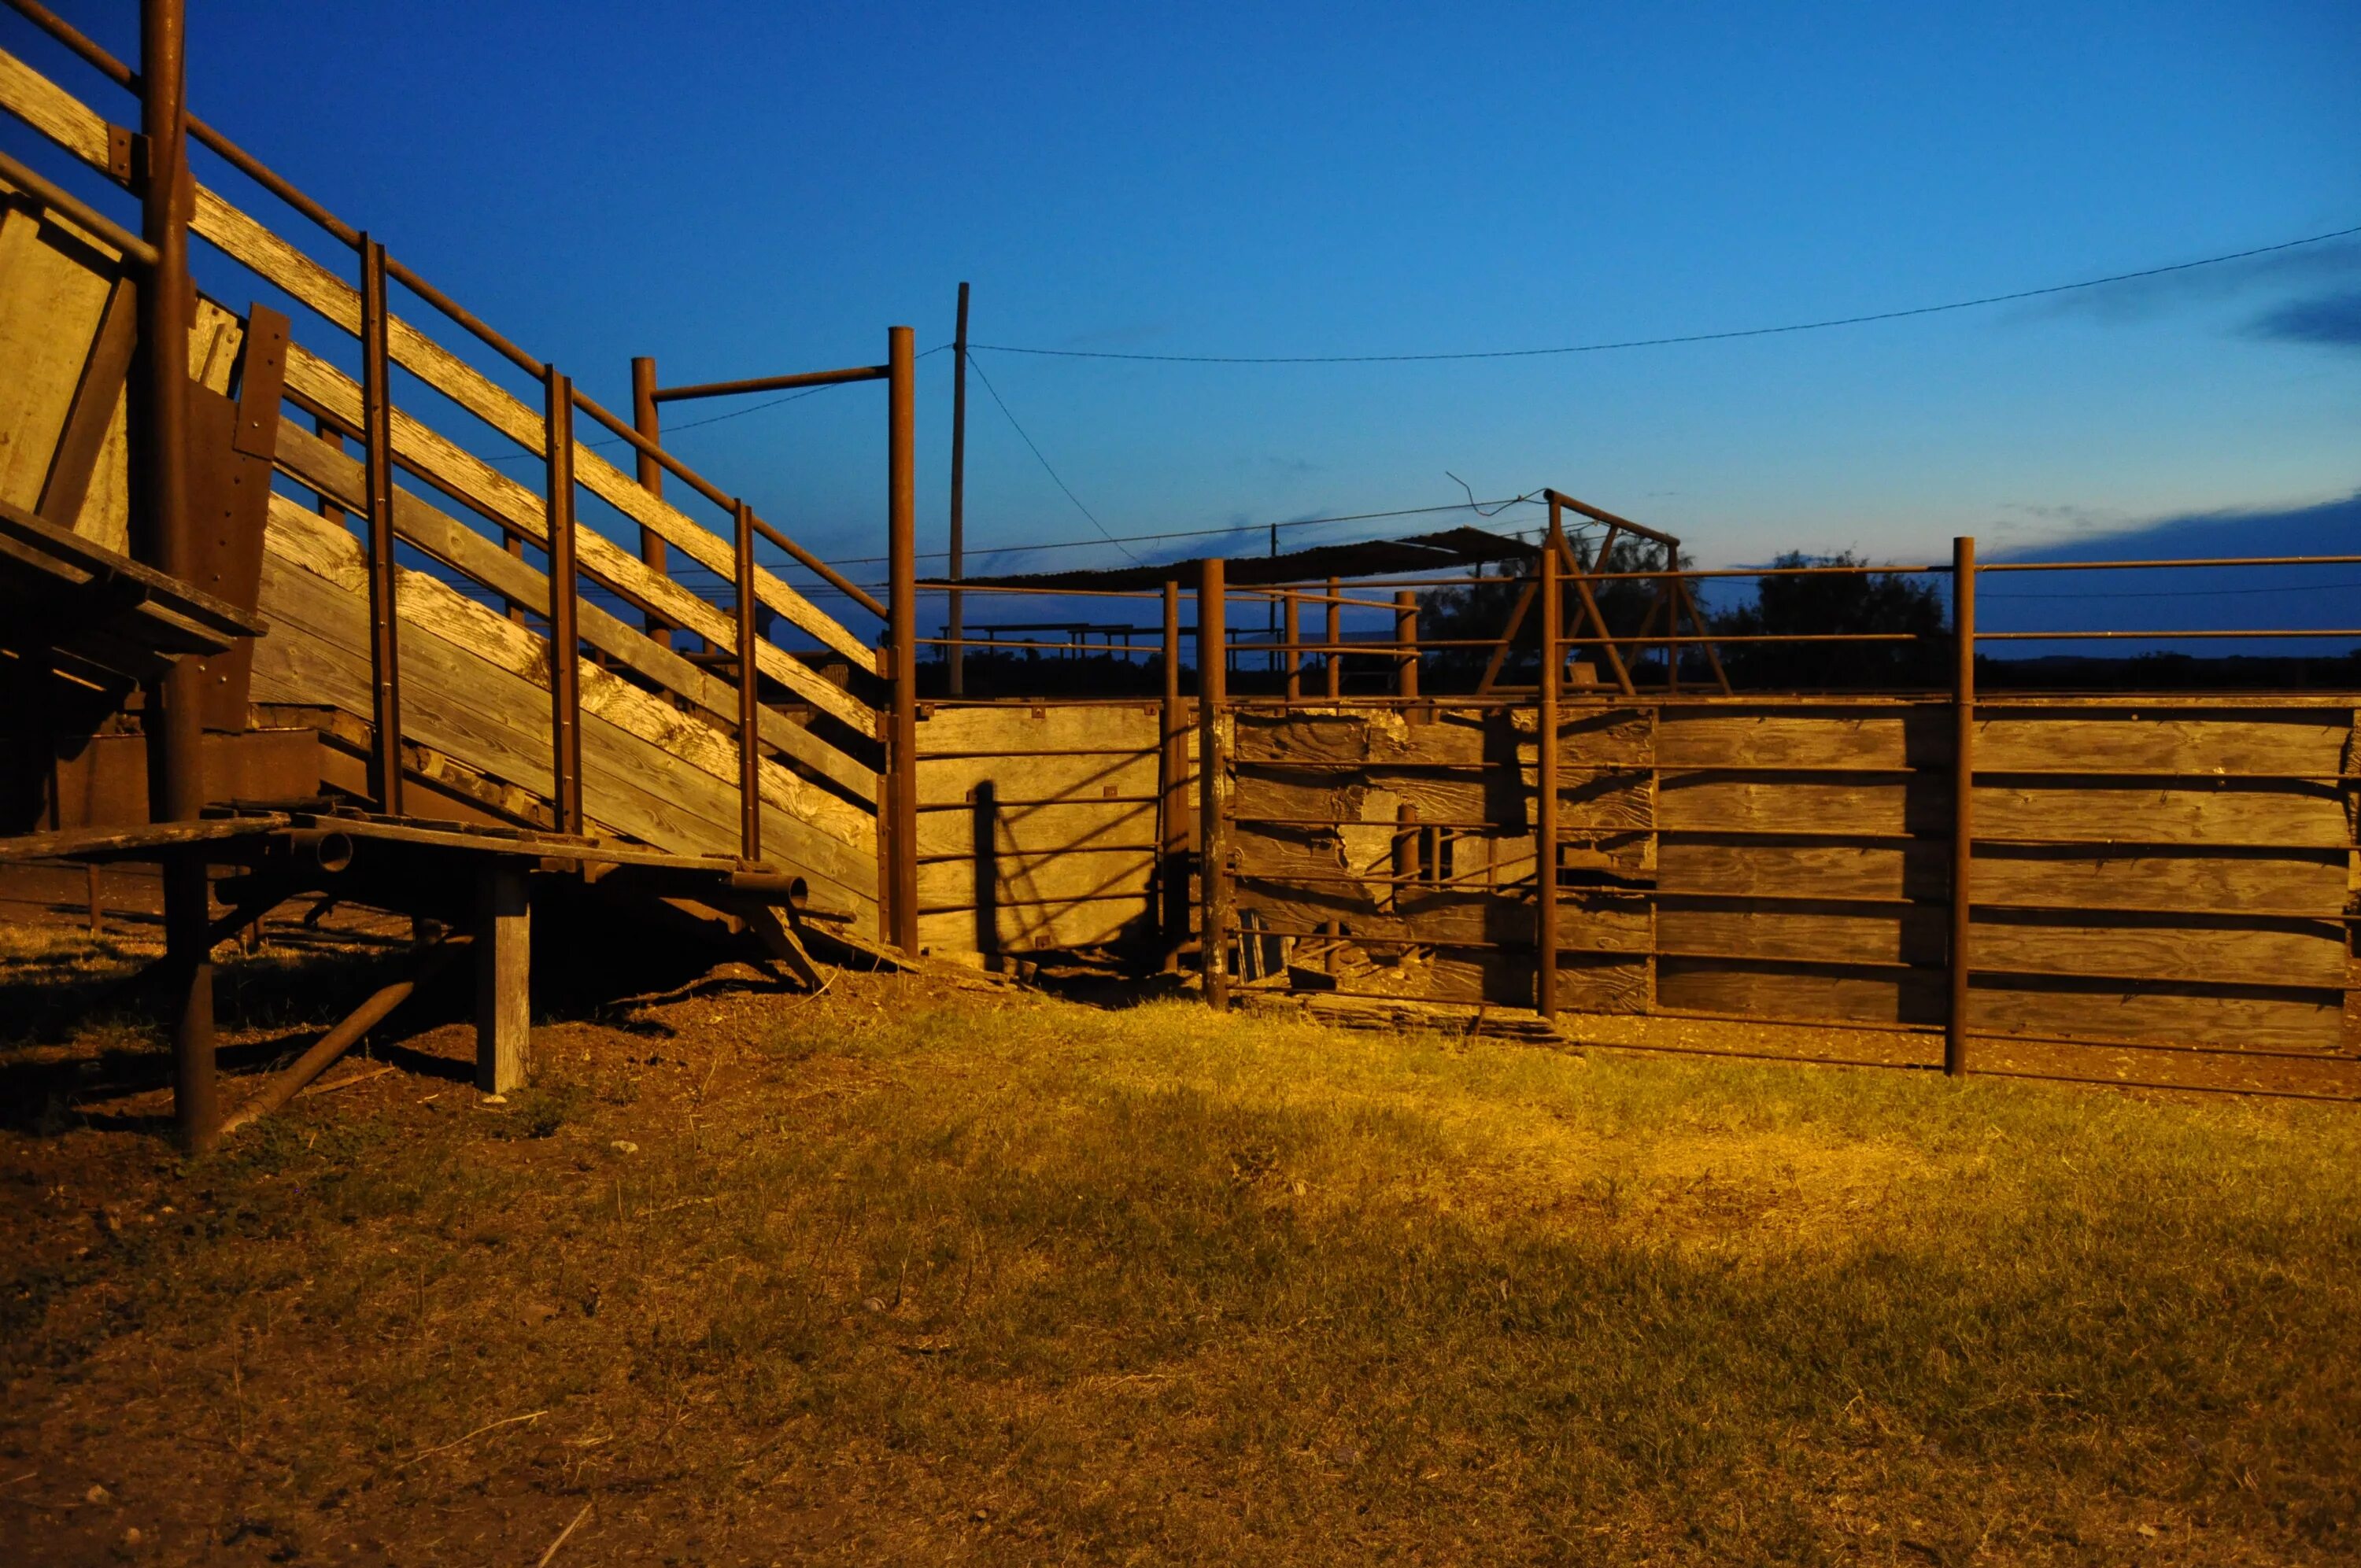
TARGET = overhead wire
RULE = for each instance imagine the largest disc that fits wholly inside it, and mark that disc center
(1671, 340)
(1035, 450)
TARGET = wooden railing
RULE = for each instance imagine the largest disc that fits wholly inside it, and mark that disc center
(849, 744)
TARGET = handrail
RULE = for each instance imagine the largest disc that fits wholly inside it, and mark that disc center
(773, 383)
(133, 247)
(107, 65)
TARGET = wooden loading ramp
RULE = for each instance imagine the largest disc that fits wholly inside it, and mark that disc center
(395, 647)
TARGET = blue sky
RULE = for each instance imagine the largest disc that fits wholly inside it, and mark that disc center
(740, 189)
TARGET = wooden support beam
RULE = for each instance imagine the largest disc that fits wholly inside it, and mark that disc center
(1213, 834)
(503, 974)
(90, 415)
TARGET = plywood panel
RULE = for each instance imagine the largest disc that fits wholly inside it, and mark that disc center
(52, 289)
(1834, 933)
(2226, 812)
(2175, 1015)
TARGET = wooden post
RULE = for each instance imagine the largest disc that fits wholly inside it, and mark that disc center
(377, 437)
(1172, 808)
(958, 633)
(1213, 873)
(1545, 799)
(1336, 637)
(901, 550)
(749, 706)
(1963, 794)
(648, 422)
(1406, 640)
(1292, 622)
(503, 973)
(97, 910)
(565, 642)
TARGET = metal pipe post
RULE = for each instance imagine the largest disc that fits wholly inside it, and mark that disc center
(1406, 640)
(159, 442)
(377, 438)
(1336, 658)
(1546, 798)
(564, 640)
(902, 601)
(749, 712)
(1172, 810)
(1213, 873)
(1291, 624)
(1963, 779)
(958, 686)
(648, 422)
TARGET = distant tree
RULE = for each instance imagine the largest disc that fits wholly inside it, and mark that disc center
(1848, 602)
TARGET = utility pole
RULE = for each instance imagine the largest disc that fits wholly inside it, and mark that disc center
(959, 498)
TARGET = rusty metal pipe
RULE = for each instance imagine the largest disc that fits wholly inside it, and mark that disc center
(59, 199)
(1212, 870)
(564, 640)
(750, 706)
(776, 383)
(289, 1081)
(902, 550)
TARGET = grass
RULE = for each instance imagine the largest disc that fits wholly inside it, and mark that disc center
(935, 1277)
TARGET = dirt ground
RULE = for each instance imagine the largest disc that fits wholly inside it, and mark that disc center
(934, 1269)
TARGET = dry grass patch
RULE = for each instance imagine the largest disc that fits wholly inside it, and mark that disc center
(914, 1274)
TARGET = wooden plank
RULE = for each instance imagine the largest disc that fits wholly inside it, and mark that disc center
(249, 243)
(57, 114)
(1869, 996)
(2170, 1014)
(1893, 934)
(52, 111)
(1586, 736)
(2157, 738)
(1595, 985)
(324, 468)
(944, 780)
(1792, 738)
(606, 562)
(1735, 801)
(1083, 824)
(2164, 947)
(2228, 811)
(1068, 876)
(1019, 930)
(1018, 728)
(495, 718)
(503, 970)
(51, 297)
(333, 552)
(1363, 735)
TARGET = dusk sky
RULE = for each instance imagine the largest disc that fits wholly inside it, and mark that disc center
(744, 189)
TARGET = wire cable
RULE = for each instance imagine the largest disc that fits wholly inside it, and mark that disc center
(1061, 484)
(1680, 338)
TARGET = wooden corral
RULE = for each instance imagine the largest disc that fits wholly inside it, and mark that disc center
(339, 648)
